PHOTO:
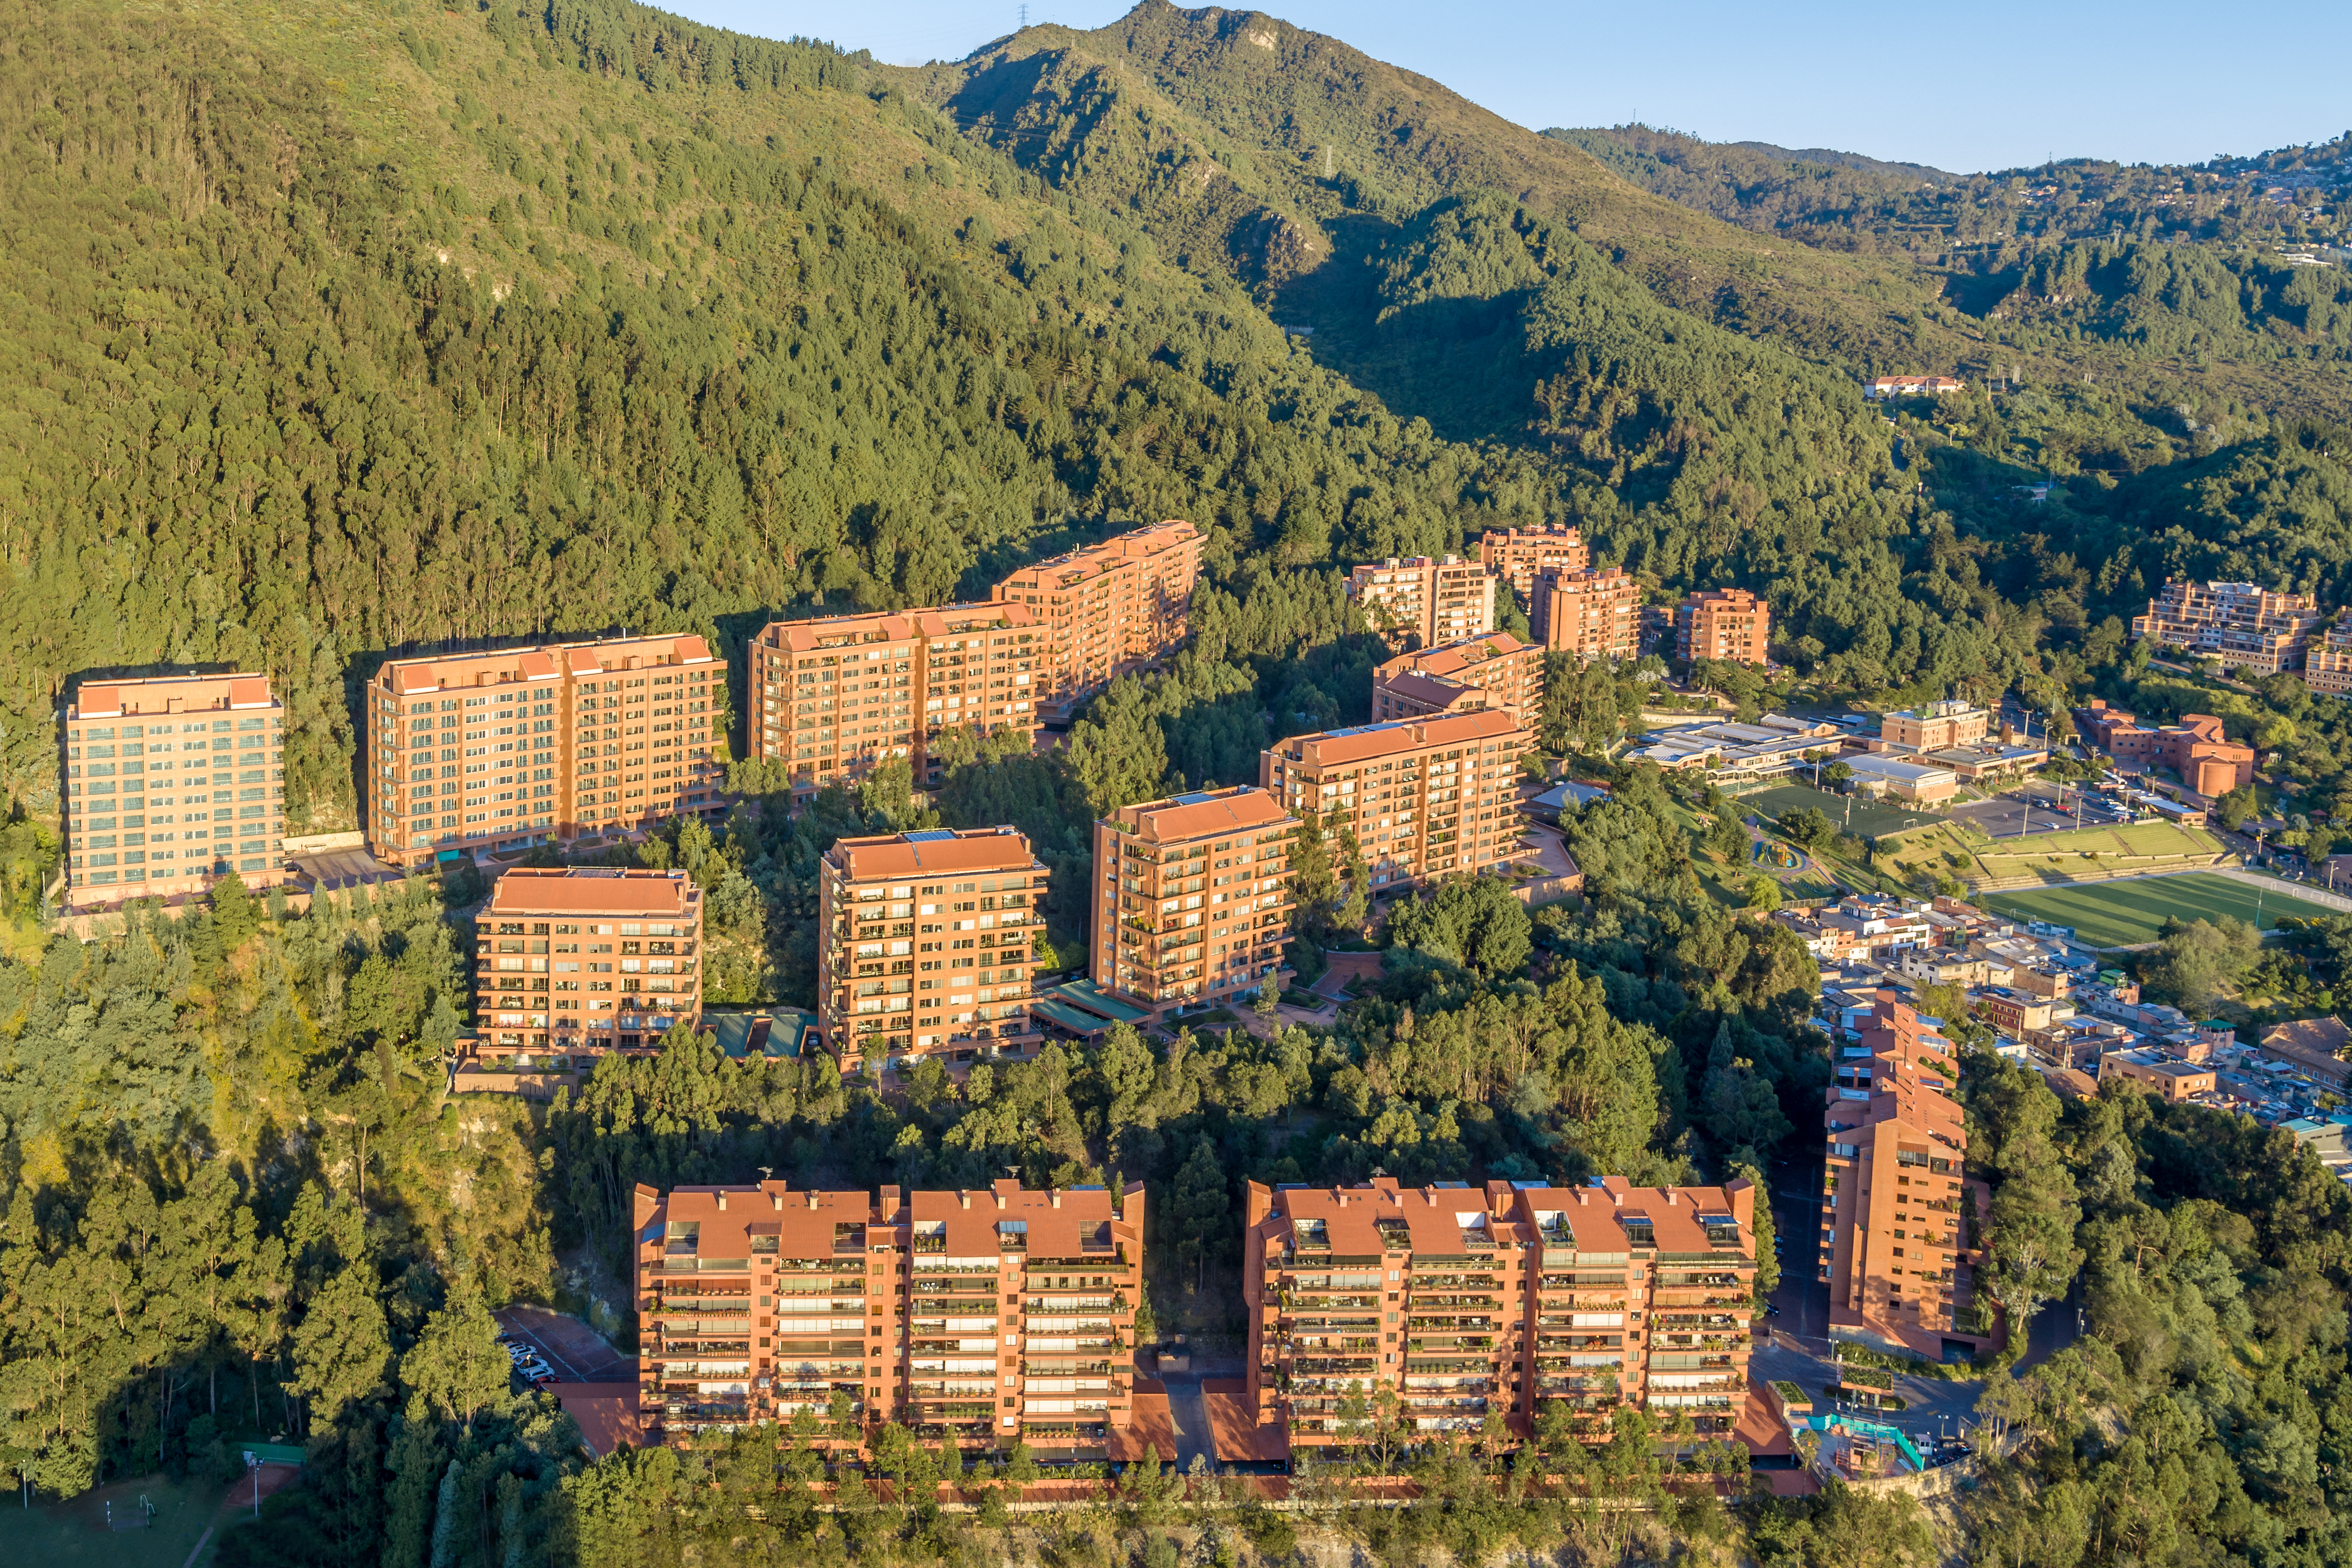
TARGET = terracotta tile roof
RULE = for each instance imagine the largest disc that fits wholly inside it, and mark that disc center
(1429, 689)
(155, 694)
(1406, 734)
(901, 854)
(1189, 817)
(594, 890)
(547, 662)
(1451, 658)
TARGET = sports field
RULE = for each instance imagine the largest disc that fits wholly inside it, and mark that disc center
(1868, 819)
(2118, 914)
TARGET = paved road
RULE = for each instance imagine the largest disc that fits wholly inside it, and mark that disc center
(1799, 1351)
(1188, 1416)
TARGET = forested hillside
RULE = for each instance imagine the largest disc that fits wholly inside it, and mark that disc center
(345, 329)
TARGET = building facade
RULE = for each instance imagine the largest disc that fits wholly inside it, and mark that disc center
(1592, 614)
(981, 1318)
(1106, 609)
(1895, 1239)
(170, 782)
(1430, 1310)
(535, 746)
(2242, 624)
(839, 696)
(1433, 599)
(1520, 556)
(2196, 749)
(1192, 898)
(1938, 727)
(579, 960)
(2327, 663)
(926, 945)
(1427, 798)
(1509, 672)
(1732, 625)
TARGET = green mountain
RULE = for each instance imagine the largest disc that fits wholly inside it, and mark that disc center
(2230, 271)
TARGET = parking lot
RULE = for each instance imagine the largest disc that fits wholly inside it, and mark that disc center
(2032, 808)
(574, 1352)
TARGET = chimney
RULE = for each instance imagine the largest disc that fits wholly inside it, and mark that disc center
(1616, 1198)
(965, 1199)
(1058, 1198)
(1671, 1199)
(1583, 1197)
(723, 1200)
(776, 1201)
(1000, 1200)
(811, 1198)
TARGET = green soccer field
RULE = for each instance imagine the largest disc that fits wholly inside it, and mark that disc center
(2117, 914)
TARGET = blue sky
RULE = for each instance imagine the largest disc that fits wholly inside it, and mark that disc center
(1989, 86)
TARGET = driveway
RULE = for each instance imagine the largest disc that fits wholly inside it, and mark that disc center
(576, 1351)
(1188, 1416)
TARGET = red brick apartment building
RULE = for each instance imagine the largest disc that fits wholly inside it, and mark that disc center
(1523, 555)
(836, 696)
(2242, 624)
(925, 946)
(1496, 670)
(536, 745)
(1592, 614)
(1456, 1302)
(170, 782)
(2208, 760)
(1192, 898)
(1423, 601)
(1732, 625)
(1428, 798)
(1106, 609)
(586, 959)
(2327, 663)
(981, 1318)
(1894, 1244)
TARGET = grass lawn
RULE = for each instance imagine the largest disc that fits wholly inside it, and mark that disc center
(75, 1532)
(2114, 913)
(1870, 819)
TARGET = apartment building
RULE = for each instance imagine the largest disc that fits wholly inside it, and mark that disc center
(1592, 614)
(1897, 1249)
(839, 696)
(170, 782)
(581, 960)
(1427, 798)
(1192, 898)
(536, 745)
(2327, 663)
(925, 946)
(979, 1318)
(1106, 609)
(1438, 1307)
(2241, 623)
(1522, 555)
(1432, 599)
(1732, 625)
(1496, 670)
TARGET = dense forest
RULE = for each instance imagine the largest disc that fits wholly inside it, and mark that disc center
(360, 329)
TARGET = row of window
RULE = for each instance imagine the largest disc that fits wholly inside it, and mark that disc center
(110, 879)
